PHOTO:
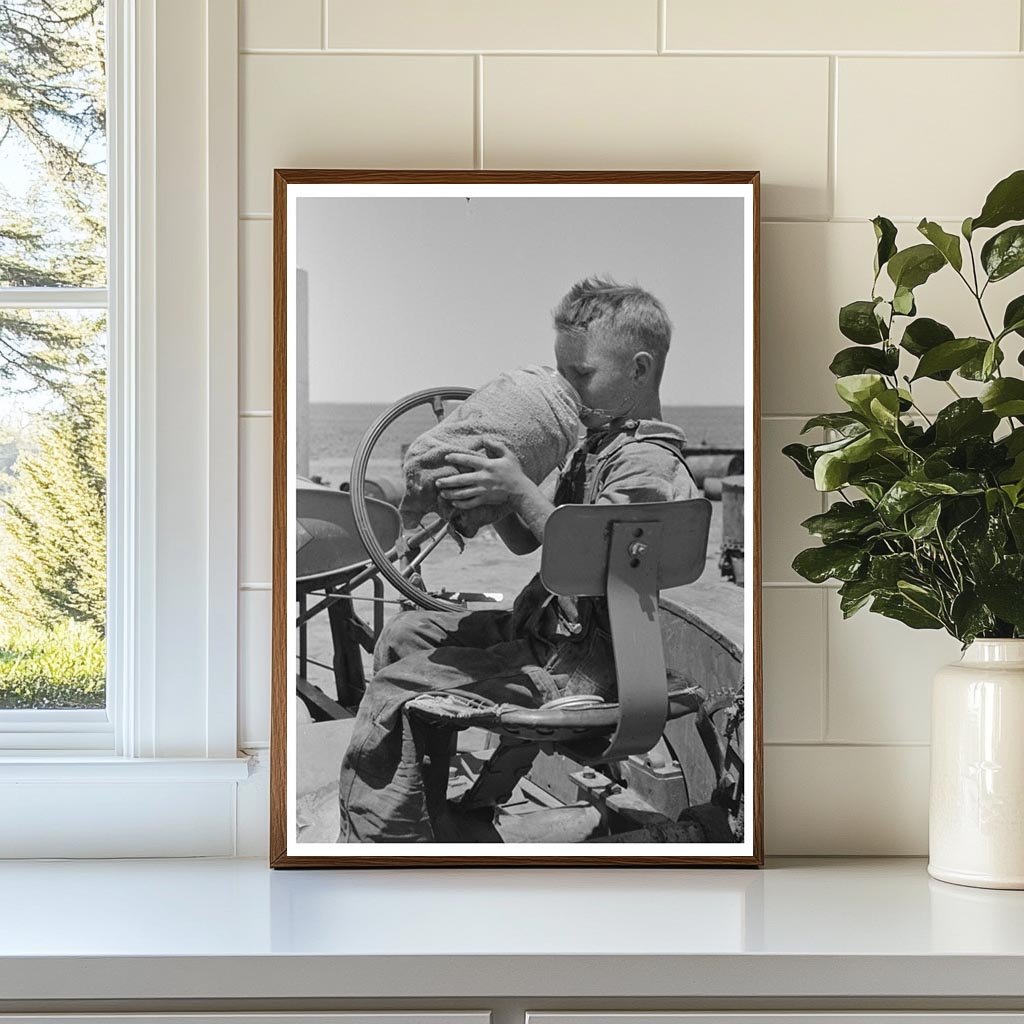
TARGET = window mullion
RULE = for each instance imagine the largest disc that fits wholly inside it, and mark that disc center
(53, 298)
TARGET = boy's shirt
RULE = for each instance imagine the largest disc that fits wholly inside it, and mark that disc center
(641, 461)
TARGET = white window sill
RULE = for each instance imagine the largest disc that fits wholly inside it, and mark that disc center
(74, 766)
(83, 806)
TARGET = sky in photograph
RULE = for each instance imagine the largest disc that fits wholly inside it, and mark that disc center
(408, 293)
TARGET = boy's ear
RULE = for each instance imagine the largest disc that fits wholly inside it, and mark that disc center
(643, 364)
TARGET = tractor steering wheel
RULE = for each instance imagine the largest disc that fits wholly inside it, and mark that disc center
(419, 543)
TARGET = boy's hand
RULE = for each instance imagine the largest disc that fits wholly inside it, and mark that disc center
(488, 480)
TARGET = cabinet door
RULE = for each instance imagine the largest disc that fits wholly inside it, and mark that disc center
(785, 1017)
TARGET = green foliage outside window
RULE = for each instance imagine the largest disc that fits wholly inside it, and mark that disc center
(52, 365)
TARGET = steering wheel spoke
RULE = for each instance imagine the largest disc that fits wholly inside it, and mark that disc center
(424, 551)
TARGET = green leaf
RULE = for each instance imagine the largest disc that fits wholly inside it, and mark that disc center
(1015, 519)
(1015, 492)
(965, 228)
(831, 471)
(966, 417)
(974, 368)
(903, 302)
(817, 450)
(899, 608)
(991, 360)
(1013, 317)
(924, 334)
(858, 389)
(979, 453)
(850, 361)
(994, 499)
(854, 594)
(981, 537)
(1013, 477)
(1005, 202)
(800, 456)
(1004, 397)
(876, 472)
(917, 592)
(904, 495)
(886, 571)
(864, 446)
(843, 521)
(947, 244)
(922, 597)
(840, 561)
(885, 409)
(857, 321)
(872, 491)
(964, 481)
(912, 267)
(832, 420)
(949, 355)
(925, 518)
(1003, 596)
(970, 617)
(1003, 254)
(1013, 449)
(935, 466)
(885, 236)
(1014, 441)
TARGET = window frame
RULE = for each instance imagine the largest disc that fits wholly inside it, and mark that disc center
(58, 730)
(166, 776)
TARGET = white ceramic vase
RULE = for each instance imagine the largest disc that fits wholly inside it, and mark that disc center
(976, 816)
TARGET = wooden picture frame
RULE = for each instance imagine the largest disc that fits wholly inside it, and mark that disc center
(701, 222)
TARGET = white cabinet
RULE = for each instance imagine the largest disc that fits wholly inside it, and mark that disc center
(785, 1017)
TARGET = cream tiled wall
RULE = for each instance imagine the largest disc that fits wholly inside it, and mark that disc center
(910, 109)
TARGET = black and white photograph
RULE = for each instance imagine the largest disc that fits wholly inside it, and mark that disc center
(515, 492)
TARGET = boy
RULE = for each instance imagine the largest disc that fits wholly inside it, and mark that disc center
(611, 344)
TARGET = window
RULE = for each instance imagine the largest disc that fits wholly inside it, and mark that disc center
(53, 368)
(155, 312)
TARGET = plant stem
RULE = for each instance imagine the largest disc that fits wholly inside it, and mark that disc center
(978, 294)
(974, 269)
(991, 333)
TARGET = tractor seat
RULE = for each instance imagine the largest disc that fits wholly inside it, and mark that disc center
(564, 720)
(625, 553)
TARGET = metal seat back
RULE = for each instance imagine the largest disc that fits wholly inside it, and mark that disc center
(627, 553)
(577, 546)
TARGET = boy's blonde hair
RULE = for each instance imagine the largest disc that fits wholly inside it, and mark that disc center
(635, 316)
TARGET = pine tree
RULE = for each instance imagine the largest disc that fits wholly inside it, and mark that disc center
(53, 123)
(53, 234)
(53, 519)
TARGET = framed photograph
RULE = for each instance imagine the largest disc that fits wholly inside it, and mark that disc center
(516, 565)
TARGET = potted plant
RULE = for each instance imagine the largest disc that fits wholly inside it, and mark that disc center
(926, 524)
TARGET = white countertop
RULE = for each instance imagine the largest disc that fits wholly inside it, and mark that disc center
(233, 929)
